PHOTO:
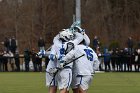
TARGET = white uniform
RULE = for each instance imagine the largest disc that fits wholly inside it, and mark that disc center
(50, 80)
(84, 67)
(64, 76)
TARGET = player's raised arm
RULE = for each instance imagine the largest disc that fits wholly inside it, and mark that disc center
(96, 62)
(87, 40)
(53, 53)
(78, 38)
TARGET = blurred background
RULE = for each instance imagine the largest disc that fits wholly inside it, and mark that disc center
(113, 21)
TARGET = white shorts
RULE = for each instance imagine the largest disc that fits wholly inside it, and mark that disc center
(50, 80)
(64, 78)
(73, 83)
(82, 81)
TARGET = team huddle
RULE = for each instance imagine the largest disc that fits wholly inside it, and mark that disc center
(72, 62)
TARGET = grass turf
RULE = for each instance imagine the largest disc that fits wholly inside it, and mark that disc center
(31, 82)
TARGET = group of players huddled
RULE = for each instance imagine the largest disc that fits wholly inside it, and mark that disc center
(72, 62)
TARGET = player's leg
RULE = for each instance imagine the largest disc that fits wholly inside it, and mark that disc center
(83, 83)
(67, 92)
(52, 89)
(64, 80)
(63, 90)
(73, 83)
(51, 83)
(81, 90)
(75, 90)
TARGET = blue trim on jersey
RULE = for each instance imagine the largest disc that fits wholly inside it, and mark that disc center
(80, 80)
(80, 76)
(54, 81)
(51, 57)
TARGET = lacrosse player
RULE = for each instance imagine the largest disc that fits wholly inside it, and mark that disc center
(50, 78)
(59, 49)
(63, 43)
(65, 75)
(84, 67)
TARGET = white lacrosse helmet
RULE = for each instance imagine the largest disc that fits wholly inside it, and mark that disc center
(65, 34)
(70, 33)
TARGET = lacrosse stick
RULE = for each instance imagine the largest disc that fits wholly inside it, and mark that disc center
(77, 23)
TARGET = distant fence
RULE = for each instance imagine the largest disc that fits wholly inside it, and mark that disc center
(8, 64)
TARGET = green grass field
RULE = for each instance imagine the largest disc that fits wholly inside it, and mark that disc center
(31, 82)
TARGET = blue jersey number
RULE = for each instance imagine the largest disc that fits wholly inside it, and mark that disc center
(62, 52)
(89, 54)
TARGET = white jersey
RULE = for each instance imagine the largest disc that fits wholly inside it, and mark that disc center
(85, 65)
(64, 76)
(51, 64)
(56, 50)
(58, 43)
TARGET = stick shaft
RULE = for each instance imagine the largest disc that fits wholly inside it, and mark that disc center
(74, 60)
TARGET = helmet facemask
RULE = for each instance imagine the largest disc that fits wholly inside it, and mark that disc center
(65, 35)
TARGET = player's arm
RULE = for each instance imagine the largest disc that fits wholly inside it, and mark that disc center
(78, 38)
(52, 55)
(85, 37)
(79, 33)
(47, 53)
(56, 40)
(96, 62)
(87, 40)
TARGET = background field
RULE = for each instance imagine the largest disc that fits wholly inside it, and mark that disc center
(13, 82)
